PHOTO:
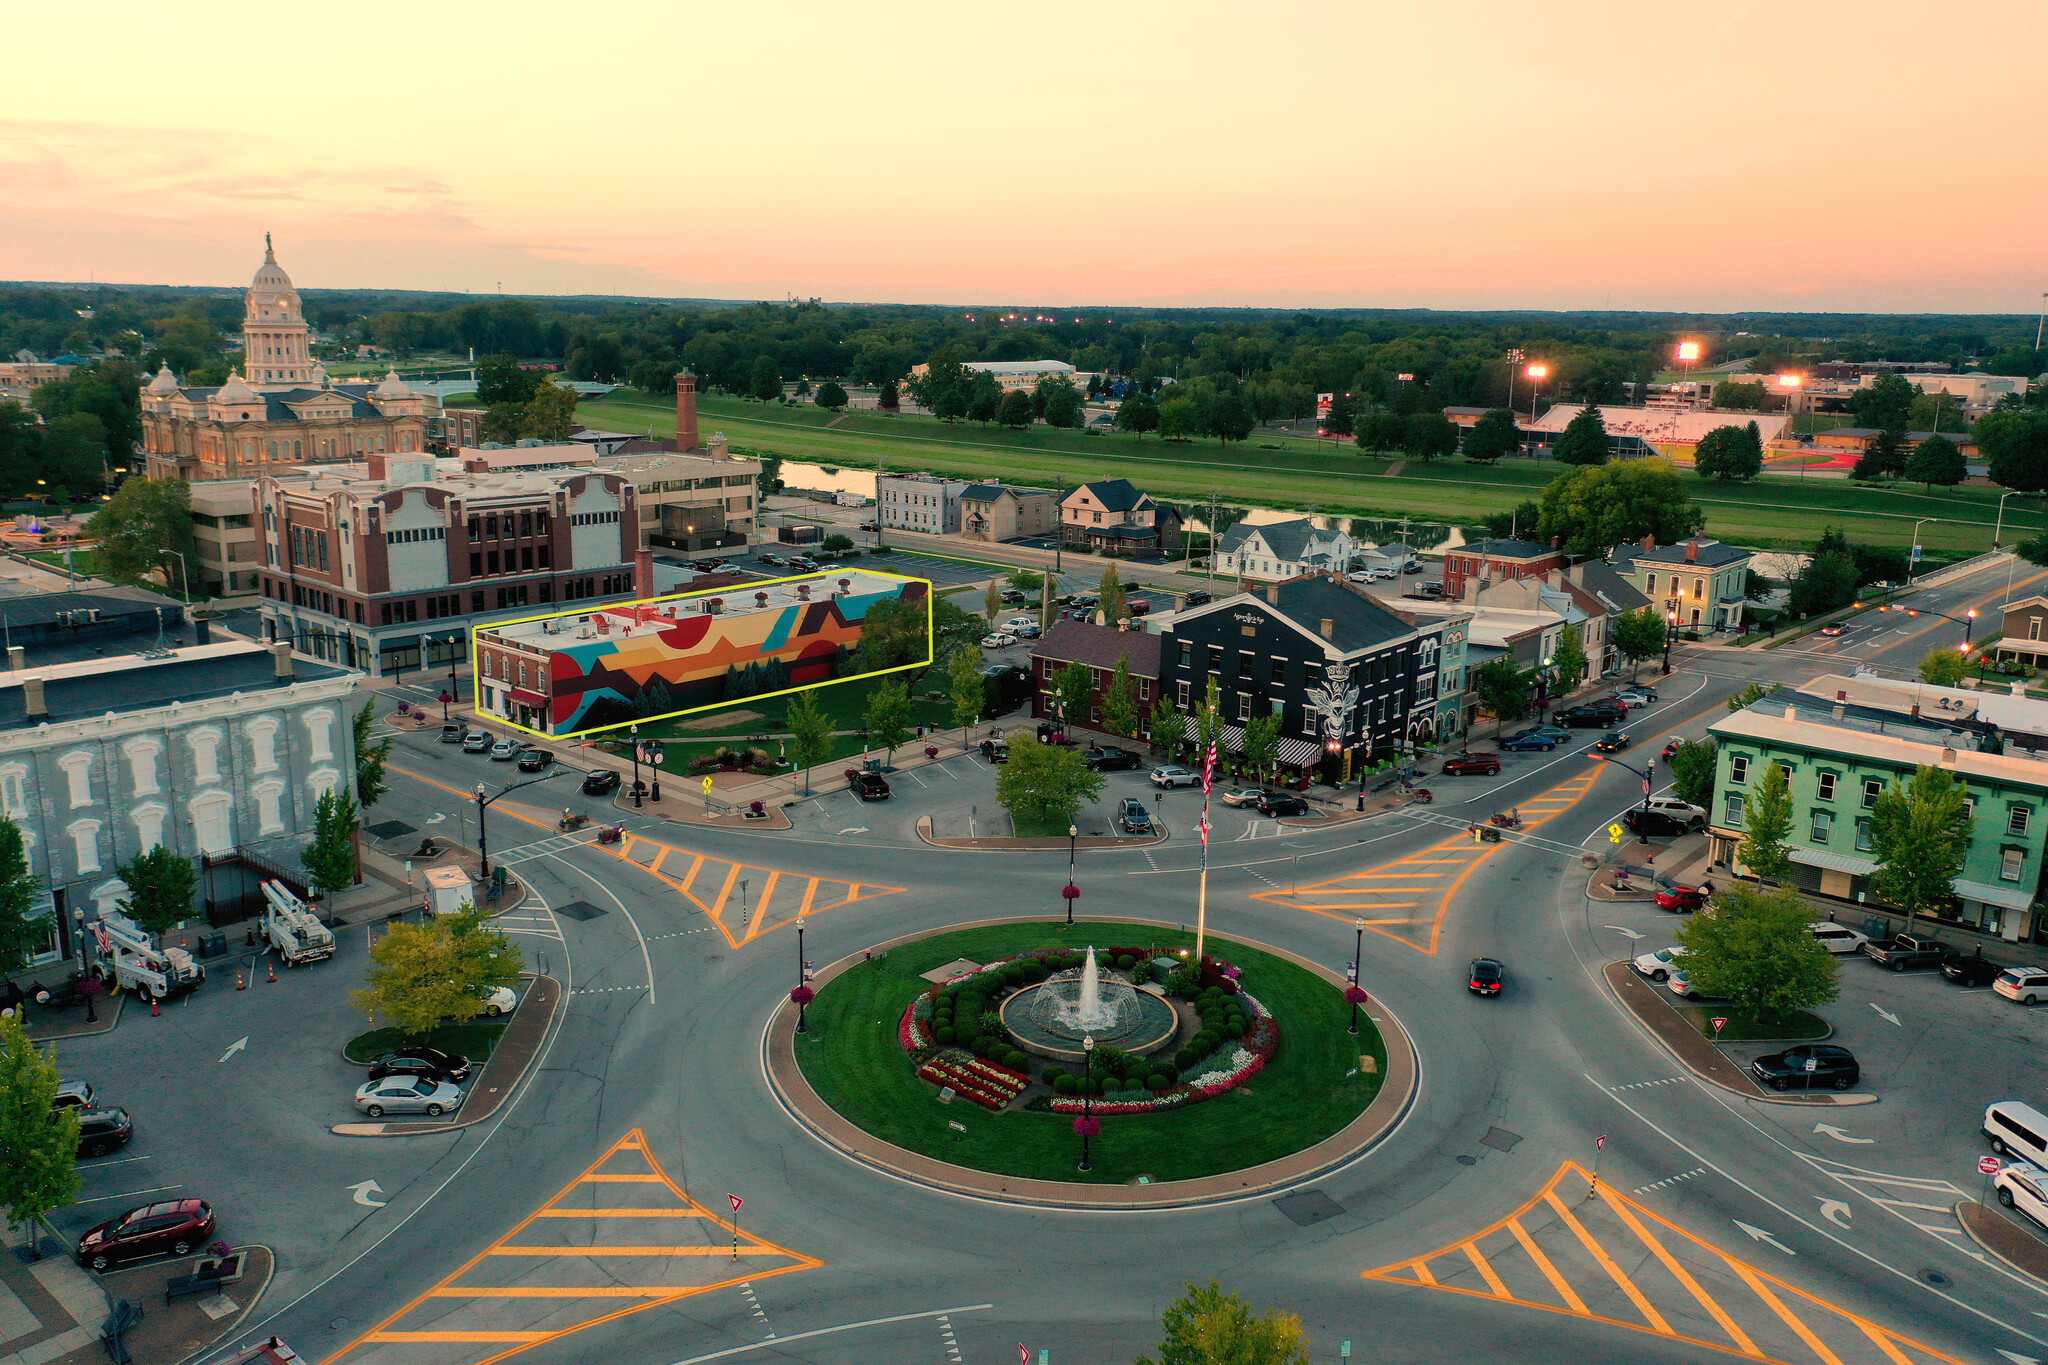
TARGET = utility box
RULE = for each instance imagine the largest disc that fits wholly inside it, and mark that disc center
(800, 535)
(447, 890)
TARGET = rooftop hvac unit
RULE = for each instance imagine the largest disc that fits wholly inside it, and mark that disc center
(586, 633)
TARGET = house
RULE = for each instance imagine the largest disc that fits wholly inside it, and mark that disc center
(2026, 632)
(1604, 595)
(1841, 751)
(1454, 665)
(1283, 549)
(1703, 581)
(1501, 558)
(1113, 517)
(1097, 648)
(999, 511)
(919, 502)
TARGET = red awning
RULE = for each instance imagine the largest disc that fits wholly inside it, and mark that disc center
(526, 698)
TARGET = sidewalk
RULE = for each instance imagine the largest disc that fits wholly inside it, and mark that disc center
(2006, 1236)
(52, 1311)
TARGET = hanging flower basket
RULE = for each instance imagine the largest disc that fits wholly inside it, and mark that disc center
(1070, 892)
(1355, 996)
(1087, 1127)
(803, 995)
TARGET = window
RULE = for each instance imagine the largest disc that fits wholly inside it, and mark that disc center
(476, 565)
(491, 561)
(1244, 706)
(2016, 820)
(2010, 863)
(1872, 789)
(1821, 823)
(1144, 689)
(1863, 836)
(1215, 658)
(544, 557)
(1187, 653)
(1699, 587)
(1732, 815)
(1180, 694)
(1738, 769)
(2033, 627)
(1827, 786)
(1245, 663)
(1279, 674)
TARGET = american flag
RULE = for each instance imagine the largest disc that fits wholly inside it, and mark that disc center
(1209, 769)
(1205, 831)
(99, 933)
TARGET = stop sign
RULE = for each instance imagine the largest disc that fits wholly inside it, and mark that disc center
(1988, 1165)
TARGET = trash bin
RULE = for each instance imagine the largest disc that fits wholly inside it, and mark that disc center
(214, 944)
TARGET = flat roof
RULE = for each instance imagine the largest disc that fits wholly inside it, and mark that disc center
(621, 619)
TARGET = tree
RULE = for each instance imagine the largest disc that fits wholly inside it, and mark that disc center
(1638, 635)
(2014, 443)
(888, 716)
(1044, 785)
(1584, 441)
(1936, 461)
(1262, 742)
(74, 453)
(769, 482)
(1138, 414)
(1177, 418)
(948, 404)
(1230, 418)
(764, 381)
(136, 529)
(888, 400)
(982, 408)
(1729, 453)
(1072, 687)
(894, 634)
(1756, 950)
(443, 968)
(810, 732)
(1342, 418)
(1732, 396)
(992, 601)
(1598, 507)
(1503, 688)
(1945, 668)
(160, 886)
(1206, 1326)
(1383, 430)
(963, 685)
(1014, 411)
(500, 380)
(1766, 825)
(1919, 832)
(1120, 701)
(1888, 402)
(1114, 608)
(1886, 456)
(1692, 771)
(1750, 696)
(1428, 435)
(21, 932)
(1828, 582)
(1493, 436)
(370, 756)
(1570, 659)
(549, 414)
(831, 395)
(1169, 727)
(502, 423)
(331, 858)
(1520, 520)
(1027, 580)
(39, 1139)
(1058, 401)
(836, 542)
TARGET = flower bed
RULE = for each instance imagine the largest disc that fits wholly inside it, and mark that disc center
(987, 1084)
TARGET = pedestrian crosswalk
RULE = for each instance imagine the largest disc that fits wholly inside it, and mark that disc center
(541, 848)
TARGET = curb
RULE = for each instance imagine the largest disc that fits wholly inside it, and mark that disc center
(108, 1023)
(1379, 1118)
(401, 1130)
(247, 1308)
(1963, 1220)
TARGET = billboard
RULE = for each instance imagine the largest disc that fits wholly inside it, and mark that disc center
(588, 669)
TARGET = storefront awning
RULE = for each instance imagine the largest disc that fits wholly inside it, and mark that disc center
(526, 698)
(1834, 862)
(2005, 897)
(1294, 753)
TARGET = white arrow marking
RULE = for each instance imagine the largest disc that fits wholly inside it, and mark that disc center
(436, 818)
(2016, 1358)
(1839, 1134)
(1884, 1013)
(1830, 1207)
(234, 1047)
(363, 1191)
(1760, 1235)
(1626, 933)
(861, 830)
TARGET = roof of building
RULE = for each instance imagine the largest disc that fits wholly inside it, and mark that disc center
(1357, 620)
(114, 604)
(1793, 720)
(277, 403)
(197, 673)
(990, 492)
(2009, 709)
(1083, 642)
(1663, 424)
(1505, 548)
(1286, 539)
(1466, 412)
(1712, 554)
(1020, 366)
(1115, 495)
(1598, 577)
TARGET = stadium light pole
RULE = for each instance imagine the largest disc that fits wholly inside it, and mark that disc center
(1537, 374)
(1688, 356)
(1789, 385)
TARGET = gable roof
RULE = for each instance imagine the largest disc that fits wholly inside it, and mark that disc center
(992, 492)
(1358, 621)
(1084, 642)
(1115, 495)
(1712, 554)
(1286, 539)
(1505, 548)
(1597, 577)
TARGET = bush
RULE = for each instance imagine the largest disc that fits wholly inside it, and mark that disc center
(1185, 1058)
(991, 1022)
(1126, 962)
(980, 1046)
(944, 1034)
(1017, 1061)
(1158, 1081)
(1063, 1083)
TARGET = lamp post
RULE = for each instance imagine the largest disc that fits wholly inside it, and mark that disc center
(1354, 993)
(1789, 385)
(1998, 531)
(484, 803)
(802, 995)
(1688, 355)
(1670, 629)
(1087, 1125)
(1913, 559)
(1071, 892)
(634, 732)
(1537, 374)
(184, 574)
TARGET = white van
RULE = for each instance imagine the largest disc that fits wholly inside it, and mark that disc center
(2017, 1130)
(1837, 938)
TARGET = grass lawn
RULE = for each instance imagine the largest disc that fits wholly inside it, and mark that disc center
(845, 704)
(473, 1040)
(852, 1057)
(1747, 1026)
(1777, 510)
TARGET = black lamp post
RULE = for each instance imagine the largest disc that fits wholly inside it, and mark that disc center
(1354, 994)
(803, 994)
(484, 803)
(1071, 892)
(1087, 1125)
(634, 732)
(1670, 628)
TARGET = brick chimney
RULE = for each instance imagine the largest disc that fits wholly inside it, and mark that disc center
(1556, 542)
(1329, 628)
(643, 573)
(378, 467)
(32, 704)
(686, 411)
(1692, 550)
(281, 659)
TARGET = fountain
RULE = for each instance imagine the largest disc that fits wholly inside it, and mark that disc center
(1053, 1017)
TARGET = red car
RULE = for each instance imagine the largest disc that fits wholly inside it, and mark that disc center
(177, 1227)
(1476, 765)
(1681, 900)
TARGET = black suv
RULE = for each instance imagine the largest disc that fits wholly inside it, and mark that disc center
(1653, 824)
(1132, 817)
(1197, 598)
(1807, 1067)
(1585, 717)
(102, 1130)
(1113, 760)
(1273, 805)
(868, 786)
(600, 782)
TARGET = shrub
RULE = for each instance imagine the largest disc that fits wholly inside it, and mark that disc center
(1063, 1083)
(944, 1034)
(980, 1046)
(1017, 1061)
(1205, 1043)
(991, 1022)
(1126, 962)
(1158, 1081)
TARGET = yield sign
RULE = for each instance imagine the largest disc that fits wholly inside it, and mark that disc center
(736, 1202)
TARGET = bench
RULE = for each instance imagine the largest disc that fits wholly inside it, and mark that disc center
(181, 1286)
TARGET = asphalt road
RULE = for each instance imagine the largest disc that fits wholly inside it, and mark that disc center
(1744, 1221)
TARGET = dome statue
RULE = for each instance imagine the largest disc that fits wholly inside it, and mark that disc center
(236, 390)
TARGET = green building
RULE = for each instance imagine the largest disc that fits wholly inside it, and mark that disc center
(1697, 584)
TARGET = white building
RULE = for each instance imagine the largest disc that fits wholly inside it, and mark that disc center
(919, 502)
(1976, 390)
(1283, 549)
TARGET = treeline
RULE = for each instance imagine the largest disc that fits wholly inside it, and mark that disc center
(81, 433)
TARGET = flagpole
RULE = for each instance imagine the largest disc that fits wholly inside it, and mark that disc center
(1202, 903)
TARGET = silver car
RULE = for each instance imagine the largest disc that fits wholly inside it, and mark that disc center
(407, 1095)
(506, 749)
(1171, 776)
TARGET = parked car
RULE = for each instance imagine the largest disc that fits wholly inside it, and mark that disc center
(1137, 606)
(2023, 1186)
(1485, 976)
(73, 1095)
(804, 562)
(1132, 817)
(1611, 704)
(407, 1095)
(476, 742)
(176, 1227)
(1277, 805)
(1691, 815)
(1681, 984)
(1412, 566)
(1019, 622)
(1244, 796)
(1971, 969)
(430, 1062)
(452, 732)
(1681, 900)
(1614, 743)
(1011, 597)
(1806, 1067)
(500, 1000)
(1170, 775)
(1198, 598)
(996, 750)
(506, 749)
(1081, 614)
(533, 760)
(1084, 599)
(1113, 760)
(1637, 697)
(1472, 765)
(1652, 824)
(1362, 576)
(868, 786)
(1586, 717)
(600, 782)
(2027, 985)
(102, 1130)
(1659, 965)
(999, 640)
(1528, 740)
(1030, 632)
(1837, 938)
(775, 560)
(1906, 951)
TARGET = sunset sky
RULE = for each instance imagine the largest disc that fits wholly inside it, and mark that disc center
(1867, 156)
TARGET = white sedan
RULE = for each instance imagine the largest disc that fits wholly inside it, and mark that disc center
(1659, 965)
(999, 640)
(1243, 796)
(407, 1095)
(500, 1000)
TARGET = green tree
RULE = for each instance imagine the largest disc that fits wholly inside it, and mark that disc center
(1229, 418)
(1169, 727)
(963, 678)
(1518, 522)
(1570, 659)
(1113, 606)
(1598, 507)
(549, 414)
(769, 482)
(983, 407)
(160, 886)
(2014, 443)
(1692, 771)
(992, 601)
(1026, 580)
(835, 543)
(1638, 635)
(1584, 441)
(1945, 668)
(894, 633)
(1750, 696)
(1072, 687)
(811, 732)
(764, 381)
(331, 858)
(1206, 1326)
(1886, 456)
(1428, 435)
(1044, 785)
(370, 756)
(140, 525)
(1177, 418)
(1493, 436)
(1766, 825)
(888, 716)
(1058, 401)
(1888, 402)
(1120, 701)
(1919, 833)
(948, 404)
(1827, 583)
(500, 380)
(1342, 419)
(831, 395)
(1502, 687)
(1262, 742)
(41, 1141)
(1731, 396)
(889, 400)
(1936, 461)
(443, 968)
(1138, 414)
(1729, 453)
(1014, 411)
(1756, 950)
(21, 932)
(74, 453)
(502, 422)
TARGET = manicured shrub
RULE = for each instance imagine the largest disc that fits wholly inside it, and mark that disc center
(944, 1034)
(980, 1046)
(1185, 1058)
(1063, 1083)
(1158, 1081)
(1126, 962)
(992, 1022)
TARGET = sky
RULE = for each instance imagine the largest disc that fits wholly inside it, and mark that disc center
(1869, 156)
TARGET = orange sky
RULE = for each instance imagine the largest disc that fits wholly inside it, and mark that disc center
(1874, 155)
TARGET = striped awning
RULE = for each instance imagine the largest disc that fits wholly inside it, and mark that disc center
(1294, 753)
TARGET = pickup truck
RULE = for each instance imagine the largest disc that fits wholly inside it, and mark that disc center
(1907, 950)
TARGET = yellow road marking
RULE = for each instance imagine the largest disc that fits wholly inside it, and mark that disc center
(617, 1251)
(1557, 1282)
(1683, 1276)
(1486, 1269)
(1805, 1333)
(619, 1213)
(459, 1336)
(1422, 1273)
(622, 1180)
(660, 858)
(1594, 1249)
(606, 1291)
(691, 875)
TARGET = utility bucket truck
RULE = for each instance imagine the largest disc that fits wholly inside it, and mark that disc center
(291, 927)
(131, 952)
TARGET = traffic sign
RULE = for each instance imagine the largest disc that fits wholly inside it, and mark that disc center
(1989, 1165)
(707, 786)
(1600, 1143)
(1614, 834)
(736, 1201)
(1719, 1024)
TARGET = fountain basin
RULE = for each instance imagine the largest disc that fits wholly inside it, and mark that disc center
(1144, 1025)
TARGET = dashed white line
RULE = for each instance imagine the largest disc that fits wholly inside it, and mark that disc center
(1671, 1180)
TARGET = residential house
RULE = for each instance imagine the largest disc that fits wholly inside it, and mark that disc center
(996, 511)
(2026, 632)
(1112, 517)
(1701, 584)
(1283, 549)
(1499, 559)
(920, 502)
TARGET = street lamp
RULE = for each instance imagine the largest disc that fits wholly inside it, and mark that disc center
(1071, 892)
(484, 803)
(1537, 374)
(1997, 531)
(1688, 355)
(1670, 629)
(802, 995)
(634, 732)
(1353, 993)
(1087, 1125)
(1913, 559)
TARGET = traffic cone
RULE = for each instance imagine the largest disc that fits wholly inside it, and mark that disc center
(273, 970)
(154, 1012)
(240, 984)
